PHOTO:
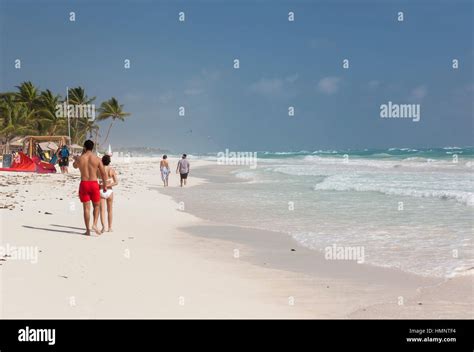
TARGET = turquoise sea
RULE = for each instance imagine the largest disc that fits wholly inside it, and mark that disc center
(409, 208)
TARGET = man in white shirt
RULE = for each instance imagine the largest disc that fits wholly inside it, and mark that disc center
(183, 168)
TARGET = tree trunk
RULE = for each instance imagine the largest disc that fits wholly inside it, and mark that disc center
(108, 131)
(76, 128)
(96, 140)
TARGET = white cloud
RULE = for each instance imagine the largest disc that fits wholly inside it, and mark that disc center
(271, 87)
(193, 91)
(267, 86)
(292, 78)
(419, 92)
(329, 85)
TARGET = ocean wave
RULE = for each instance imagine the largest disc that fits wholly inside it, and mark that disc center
(463, 270)
(411, 162)
(402, 149)
(291, 153)
(441, 266)
(326, 152)
(333, 184)
(246, 175)
(415, 158)
(394, 152)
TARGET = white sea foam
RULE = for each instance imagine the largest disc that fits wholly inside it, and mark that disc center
(392, 187)
(403, 149)
(438, 266)
(247, 175)
(409, 162)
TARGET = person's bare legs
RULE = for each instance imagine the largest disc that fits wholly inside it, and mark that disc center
(102, 215)
(110, 214)
(96, 217)
(87, 216)
(185, 181)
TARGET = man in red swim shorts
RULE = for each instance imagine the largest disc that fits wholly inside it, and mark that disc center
(88, 164)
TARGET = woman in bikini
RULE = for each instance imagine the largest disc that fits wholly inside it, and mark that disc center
(107, 198)
(165, 170)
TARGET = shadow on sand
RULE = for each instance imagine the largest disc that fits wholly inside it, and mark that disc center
(58, 230)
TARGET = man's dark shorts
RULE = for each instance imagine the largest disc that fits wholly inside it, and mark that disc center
(64, 161)
(184, 176)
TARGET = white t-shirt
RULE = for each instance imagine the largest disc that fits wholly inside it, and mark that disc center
(183, 166)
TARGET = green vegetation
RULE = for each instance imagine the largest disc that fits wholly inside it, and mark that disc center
(29, 111)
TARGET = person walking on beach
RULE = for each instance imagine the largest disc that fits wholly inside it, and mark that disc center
(107, 198)
(165, 170)
(183, 168)
(88, 164)
(64, 159)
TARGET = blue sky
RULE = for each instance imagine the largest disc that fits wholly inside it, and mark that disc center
(282, 64)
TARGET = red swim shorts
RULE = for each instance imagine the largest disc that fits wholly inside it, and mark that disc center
(89, 190)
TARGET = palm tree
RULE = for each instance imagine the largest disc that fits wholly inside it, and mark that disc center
(87, 129)
(15, 120)
(28, 94)
(111, 109)
(29, 111)
(47, 106)
(77, 96)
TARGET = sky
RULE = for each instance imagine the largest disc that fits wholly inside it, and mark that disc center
(282, 64)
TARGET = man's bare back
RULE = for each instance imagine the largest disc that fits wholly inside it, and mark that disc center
(88, 164)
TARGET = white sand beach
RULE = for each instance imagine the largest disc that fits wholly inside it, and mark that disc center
(163, 262)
